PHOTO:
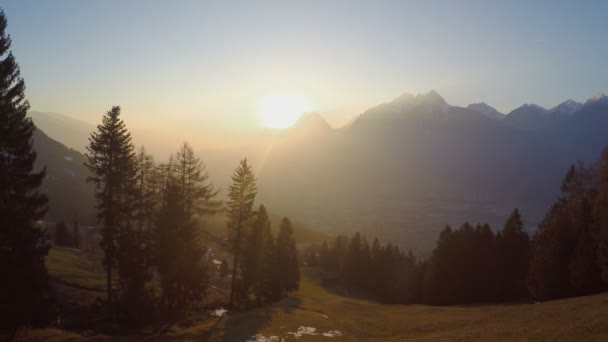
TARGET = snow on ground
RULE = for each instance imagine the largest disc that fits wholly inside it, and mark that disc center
(219, 312)
(301, 331)
(217, 262)
(262, 338)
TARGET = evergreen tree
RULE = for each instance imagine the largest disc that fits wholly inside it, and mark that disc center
(600, 214)
(287, 258)
(62, 235)
(241, 195)
(548, 273)
(256, 249)
(24, 289)
(111, 160)
(514, 256)
(179, 257)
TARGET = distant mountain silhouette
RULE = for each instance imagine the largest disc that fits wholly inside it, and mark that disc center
(72, 132)
(486, 110)
(403, 169)
(70, 197)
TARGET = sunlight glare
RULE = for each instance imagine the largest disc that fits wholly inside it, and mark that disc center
(282, 111)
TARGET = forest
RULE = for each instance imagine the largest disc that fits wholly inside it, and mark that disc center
(567, 256)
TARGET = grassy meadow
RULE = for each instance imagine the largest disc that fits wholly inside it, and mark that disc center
(348, 319)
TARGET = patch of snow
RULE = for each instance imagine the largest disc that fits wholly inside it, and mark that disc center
(219, 312)
(68, 158)
(217, 262)
(262, 338)
(332, 333)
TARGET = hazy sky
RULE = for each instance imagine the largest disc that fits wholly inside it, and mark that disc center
(209, 64)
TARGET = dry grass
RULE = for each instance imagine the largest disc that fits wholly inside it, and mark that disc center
(574, 319)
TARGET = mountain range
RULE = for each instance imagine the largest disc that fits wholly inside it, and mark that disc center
(402, 170)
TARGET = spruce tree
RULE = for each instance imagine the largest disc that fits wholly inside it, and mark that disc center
(287, 258)
(241, 195)
(600, 214)
(111, 160)
(24, 289)
(256, 248)
(514, 257)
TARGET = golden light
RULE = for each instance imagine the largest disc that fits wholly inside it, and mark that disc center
(282, 111)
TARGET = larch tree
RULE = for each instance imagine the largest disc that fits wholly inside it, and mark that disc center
(24, 289)
(239, 210)
(197, 191)
(111, 160)
(178, 256)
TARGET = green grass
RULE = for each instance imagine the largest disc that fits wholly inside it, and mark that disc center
(75, 267)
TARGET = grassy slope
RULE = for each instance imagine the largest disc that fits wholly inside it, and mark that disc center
(583, 318)
(570, 319)
(76, 267)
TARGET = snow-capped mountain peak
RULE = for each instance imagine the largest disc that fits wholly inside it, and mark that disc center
(486, 110)
(566, 108)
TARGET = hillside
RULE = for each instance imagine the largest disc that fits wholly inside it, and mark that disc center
(348, 319)
(70, 197)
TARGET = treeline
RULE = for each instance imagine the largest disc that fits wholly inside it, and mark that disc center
(567, 256)
(382, 271)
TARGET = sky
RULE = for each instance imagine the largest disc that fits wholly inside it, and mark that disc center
(205, 66)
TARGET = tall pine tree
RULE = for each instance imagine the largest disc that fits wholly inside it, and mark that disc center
(287, 258)
(111, 160)
(24, 295)
(241, 195)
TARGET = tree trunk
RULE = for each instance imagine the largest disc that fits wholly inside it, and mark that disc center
(234, 268)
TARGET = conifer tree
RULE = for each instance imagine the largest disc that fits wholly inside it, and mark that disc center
(241, 195)
(287, 257)
(514, 256)
(24, 289)
(256, 248)
(111, 160)
(198, 192)
(179, 256)
(600, 215)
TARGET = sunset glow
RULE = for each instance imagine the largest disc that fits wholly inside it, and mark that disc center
(283, 110)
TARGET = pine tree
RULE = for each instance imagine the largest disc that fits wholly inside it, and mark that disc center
(514, 256)
(241, 195)
(146, 196)
(111, 159)
(287, 257)
(552, 248)
(600, 214)
(256, 249)
(24, 289)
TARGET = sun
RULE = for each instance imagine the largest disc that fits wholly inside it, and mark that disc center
(283, 110)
